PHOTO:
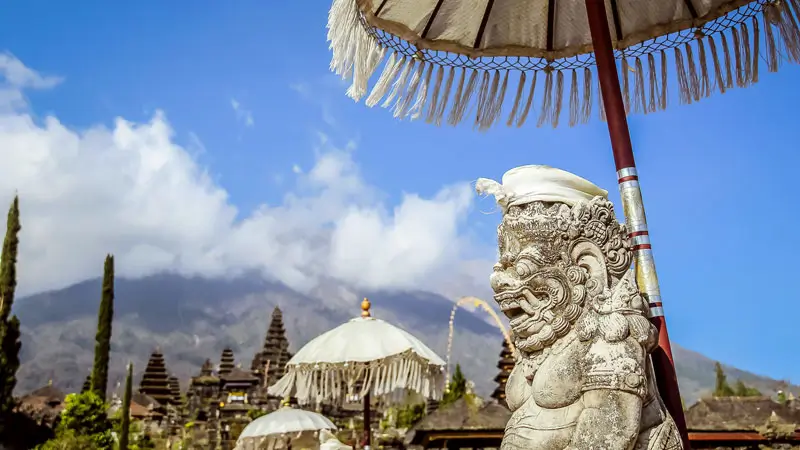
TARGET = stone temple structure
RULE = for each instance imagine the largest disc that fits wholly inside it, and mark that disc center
(505, 364)
(155, 380)
(226, 363)
(270, 363)
(584, 379)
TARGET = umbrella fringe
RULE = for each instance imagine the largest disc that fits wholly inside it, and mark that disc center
(339, 383)
(653, 80)
(639, 97)
(626, 93)
(409, 86)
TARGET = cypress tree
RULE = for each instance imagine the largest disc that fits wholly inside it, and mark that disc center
(456, 388)
(9, 327)
(126, 410)
(102, 348)
(8, 270)
(721, 386)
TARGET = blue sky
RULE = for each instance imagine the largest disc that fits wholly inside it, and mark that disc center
(718, 177)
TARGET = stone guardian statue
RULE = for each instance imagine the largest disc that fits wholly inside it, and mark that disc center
(583, 378)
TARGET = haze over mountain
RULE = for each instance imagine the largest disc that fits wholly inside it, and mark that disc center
(191, 319)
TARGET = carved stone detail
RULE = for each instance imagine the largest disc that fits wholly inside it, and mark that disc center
(584, 378)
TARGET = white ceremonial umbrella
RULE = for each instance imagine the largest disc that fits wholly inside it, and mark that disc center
(363, 357)
(284, 425)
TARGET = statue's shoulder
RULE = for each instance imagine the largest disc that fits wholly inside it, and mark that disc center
(618, 337)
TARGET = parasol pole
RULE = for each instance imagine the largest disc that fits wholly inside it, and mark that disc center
(633, 207)
(365, 305)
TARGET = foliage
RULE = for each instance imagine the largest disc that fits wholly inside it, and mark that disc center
(8, 269)
(409, 415)
(456, 388)
(69, 440)
(9, 327)
(144, 442)
(85, 415)
(739, 389)
(254, 414)
(125, 428)
(721, 386)
(782, 398)
(742, 390)
(105, 316)
(87, 383)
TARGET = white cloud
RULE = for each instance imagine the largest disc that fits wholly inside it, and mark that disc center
(132, 191)
(244, 115)
(297, 169)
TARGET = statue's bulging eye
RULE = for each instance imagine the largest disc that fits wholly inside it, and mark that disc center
(524, 268)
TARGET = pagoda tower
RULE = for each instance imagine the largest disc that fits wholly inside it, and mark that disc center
(274, 354)
(208, 369)
(506, 364)
(226, 363)
(155, 381)
(175, 390)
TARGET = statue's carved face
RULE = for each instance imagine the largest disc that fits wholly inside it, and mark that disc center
(552, 257)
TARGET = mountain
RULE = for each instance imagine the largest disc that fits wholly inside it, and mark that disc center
(191, 319)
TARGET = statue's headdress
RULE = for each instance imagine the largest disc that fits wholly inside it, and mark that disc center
(527, 184)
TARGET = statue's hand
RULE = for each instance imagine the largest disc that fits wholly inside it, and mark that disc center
(518, 386)
(610, 421)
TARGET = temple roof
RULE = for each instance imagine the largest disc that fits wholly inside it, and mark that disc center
(144, 400)
(204, 380)
(460, 416)
(739, 414)
(237, 374)
(47, 393)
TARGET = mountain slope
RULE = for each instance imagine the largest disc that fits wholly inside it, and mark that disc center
(192, 319)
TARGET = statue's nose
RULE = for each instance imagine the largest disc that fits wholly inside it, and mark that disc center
(500, 281)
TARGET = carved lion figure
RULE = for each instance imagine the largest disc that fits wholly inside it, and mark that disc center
(583, 379)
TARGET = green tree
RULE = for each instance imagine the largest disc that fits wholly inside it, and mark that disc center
(409, 415)
(721, 386)
(8, 269)
(782, 399)
(102, 348)
(742, 390)
(85, 415)
(456, 388)
(254, 414)
(125, 429)
(9, 326)
(69, 440)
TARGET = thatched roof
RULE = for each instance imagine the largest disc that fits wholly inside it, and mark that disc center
(43, 404)
(204, 380)
(49, 392)
(460, 415)
(144, 400)
(238, 375)
(739, 414)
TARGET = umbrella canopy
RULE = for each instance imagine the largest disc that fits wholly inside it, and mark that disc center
(367, 351)
(286, 421)
(443, 57)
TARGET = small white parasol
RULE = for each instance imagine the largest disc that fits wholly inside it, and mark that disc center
(284, 426)
(371, 353)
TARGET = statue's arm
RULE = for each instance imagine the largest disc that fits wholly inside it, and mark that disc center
(614, 389)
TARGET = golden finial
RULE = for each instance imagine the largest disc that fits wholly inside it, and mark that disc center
(365, 308)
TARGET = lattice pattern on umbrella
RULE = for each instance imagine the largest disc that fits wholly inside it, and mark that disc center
(427, 79)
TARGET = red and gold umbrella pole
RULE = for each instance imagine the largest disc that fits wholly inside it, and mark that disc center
(634, 207)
